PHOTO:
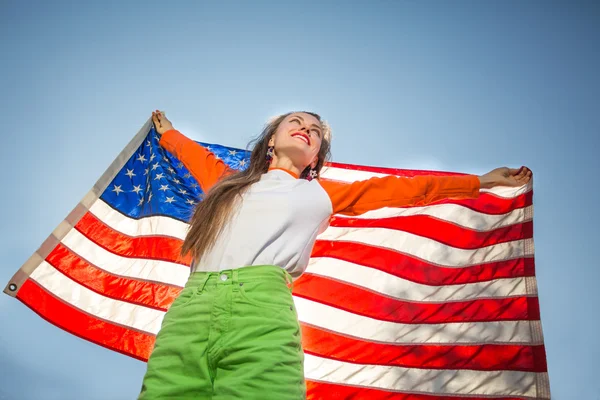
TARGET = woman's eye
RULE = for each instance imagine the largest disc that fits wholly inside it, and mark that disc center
(295, 120)
(318, 133)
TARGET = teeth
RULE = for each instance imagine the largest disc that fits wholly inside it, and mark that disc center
(302, 137)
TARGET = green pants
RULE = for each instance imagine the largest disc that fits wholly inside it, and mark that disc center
(229, 335)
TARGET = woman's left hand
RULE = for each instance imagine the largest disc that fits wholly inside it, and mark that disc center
(505, 177)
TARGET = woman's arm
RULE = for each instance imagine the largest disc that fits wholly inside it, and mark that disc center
(391, 191)
(202, 164)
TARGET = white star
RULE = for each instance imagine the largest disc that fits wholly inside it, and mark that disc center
(232, 152)
(171, 170)
(182, 191)
(208, 148)
(159, 176)
(130, 173)
(141, 202)
(180, 165)
(242, 163)
(217, 157)
(152, 156)
(190, 201)
(154, 166)
(187, 176)
(166, 159)
(146, 171)
(194, 185)
(137, 189)
(170, 199)
(150, 197)
(117, 189)
(164, 188)
(148, 143)
(141, 158)
(176, 181)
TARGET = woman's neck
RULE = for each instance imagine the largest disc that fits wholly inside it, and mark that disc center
(285, 164)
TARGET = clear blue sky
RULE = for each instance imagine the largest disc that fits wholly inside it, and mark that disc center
(461, 86)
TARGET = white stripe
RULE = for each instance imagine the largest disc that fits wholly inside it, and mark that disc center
(326, 317)
(350, 175)
(417, 380)
(402, 289)
(163, 226)
(428, 249)
(120, 312)
(455, 214)
(347, 323)
(138, 268)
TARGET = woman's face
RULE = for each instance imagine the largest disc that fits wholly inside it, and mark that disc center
(298, 138)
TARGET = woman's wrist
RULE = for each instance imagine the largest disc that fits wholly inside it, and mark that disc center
(485, 181)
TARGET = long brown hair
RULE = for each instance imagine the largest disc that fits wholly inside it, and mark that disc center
(213, 213)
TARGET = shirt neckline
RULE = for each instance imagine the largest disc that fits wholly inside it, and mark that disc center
(285, 170)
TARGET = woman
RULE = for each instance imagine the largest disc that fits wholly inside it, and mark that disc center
(233, 331)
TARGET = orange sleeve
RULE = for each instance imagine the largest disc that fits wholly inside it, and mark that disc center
(391, 191)
(202, 164)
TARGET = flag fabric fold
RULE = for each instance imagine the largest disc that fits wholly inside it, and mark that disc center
(419, 303)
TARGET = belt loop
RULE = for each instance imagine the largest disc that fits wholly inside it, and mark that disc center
(288, 279)
(235, 279)
(202, 283)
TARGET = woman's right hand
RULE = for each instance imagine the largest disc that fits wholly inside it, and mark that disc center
(161, 123)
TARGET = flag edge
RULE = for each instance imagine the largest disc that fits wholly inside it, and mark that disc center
(16, 281)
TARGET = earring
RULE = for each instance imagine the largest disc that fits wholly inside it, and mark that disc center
(270, 154)
(311, 175)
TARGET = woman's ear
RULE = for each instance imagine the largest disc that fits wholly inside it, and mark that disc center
(271, 142)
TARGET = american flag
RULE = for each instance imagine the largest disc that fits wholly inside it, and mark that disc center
(419, 303)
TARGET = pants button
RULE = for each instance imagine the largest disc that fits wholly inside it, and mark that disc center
(223, 277)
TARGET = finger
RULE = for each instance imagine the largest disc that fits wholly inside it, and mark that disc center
(524, 179)
(163, 117)
(525, 174)
(522, 173)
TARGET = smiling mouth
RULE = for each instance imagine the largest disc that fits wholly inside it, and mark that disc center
(303, 136)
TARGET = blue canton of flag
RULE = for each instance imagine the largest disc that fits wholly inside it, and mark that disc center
(154, 182)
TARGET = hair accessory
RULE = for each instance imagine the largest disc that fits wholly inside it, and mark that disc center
(270, 153)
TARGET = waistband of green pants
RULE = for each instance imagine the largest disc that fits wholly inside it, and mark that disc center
(200, 279)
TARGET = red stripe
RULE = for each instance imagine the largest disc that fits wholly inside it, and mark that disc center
(162, 248)
(149, 294)
(126, 341)
(473, 357)
(371, 304)
(488, 203)
(442, 231)
(420, 271)
(391, 171)
(320, 390)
